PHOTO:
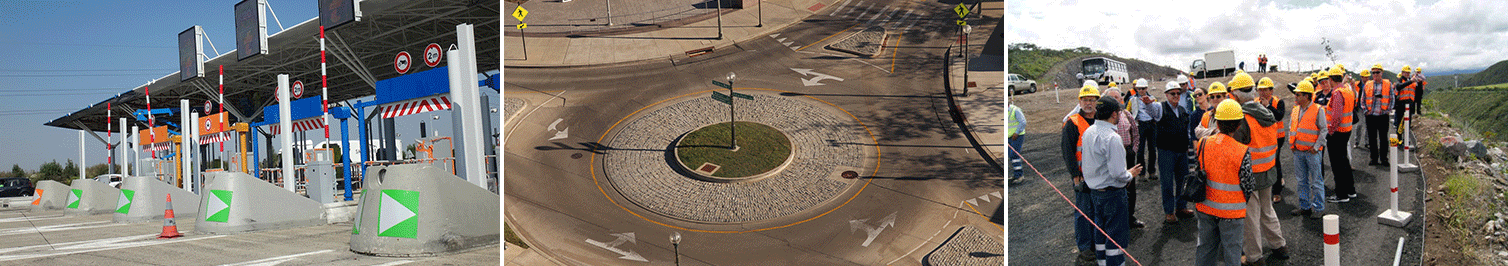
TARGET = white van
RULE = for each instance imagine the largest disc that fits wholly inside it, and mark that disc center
(1104, 70)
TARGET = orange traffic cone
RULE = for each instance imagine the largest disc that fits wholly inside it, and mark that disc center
(169, 227)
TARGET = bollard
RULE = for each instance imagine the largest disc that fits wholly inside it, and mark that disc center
(1393, 216)
(1332, 240)
(1408, 141)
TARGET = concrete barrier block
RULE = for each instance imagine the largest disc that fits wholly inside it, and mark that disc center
(235, 203)
(89, 197)
(422, 210)
(144, 198)
(51, 195)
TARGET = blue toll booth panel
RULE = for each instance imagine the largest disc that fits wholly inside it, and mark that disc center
(421, 84)
(299, 109)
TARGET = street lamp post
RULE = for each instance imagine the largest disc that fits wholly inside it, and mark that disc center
(720, 19)
(609, 12)
(966, 29)
(732, 118)
(675, 241)
(761, 12)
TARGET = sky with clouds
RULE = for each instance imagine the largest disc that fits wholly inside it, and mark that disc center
(1442, 36)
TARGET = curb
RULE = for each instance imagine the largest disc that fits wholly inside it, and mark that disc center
(958, 116)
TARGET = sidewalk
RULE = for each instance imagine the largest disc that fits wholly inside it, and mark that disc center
(984, 107)
(515, 255)
(667, 43)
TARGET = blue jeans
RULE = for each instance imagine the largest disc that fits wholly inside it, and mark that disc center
(1016, 171)
(1220, 239)
(1082, 231)
(1311, 180)
(1171, 176)
(1110, 214)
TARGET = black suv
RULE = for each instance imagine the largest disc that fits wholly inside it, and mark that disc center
(16, 187)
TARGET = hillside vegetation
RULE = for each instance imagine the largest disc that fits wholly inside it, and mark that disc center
(1478, 109)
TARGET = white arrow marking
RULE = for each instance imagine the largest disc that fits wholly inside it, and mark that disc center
(793, 48)
(613, 246)
(815, 80)
(996, 194)
(787, 44)
(557, 122)
(773, 35)
(562, 134)
(780, 40)
(854, 225)
(985, 198)
(972, 202)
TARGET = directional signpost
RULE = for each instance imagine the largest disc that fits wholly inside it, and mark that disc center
(519, 13)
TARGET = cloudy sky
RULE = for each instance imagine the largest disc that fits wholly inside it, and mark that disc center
(1442, 36)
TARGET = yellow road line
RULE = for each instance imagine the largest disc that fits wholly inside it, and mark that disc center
(976, 211)
(828, 36)
(593, 167)
(893, 51)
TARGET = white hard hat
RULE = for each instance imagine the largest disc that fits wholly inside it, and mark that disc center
(1141, 83)
(1078, 75)
(1091, 82)
(1183, 79)
(1172, 86)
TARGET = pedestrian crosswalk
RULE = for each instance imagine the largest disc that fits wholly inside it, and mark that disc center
(889, 16)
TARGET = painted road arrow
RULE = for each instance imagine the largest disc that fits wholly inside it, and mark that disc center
(564, 133)
(814, 81)
(613, 246)
(855, 225)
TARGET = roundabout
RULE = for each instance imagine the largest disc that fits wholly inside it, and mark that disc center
(650, 167)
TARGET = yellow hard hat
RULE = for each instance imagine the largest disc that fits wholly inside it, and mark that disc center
(1336, 71)
(1242, 80)
(1406, 68)
(1418, 69)
(1228, 110)
(1377, 67)
(1366, 74)
(1089, 89)
(1305, 87)
(1216, 87)
(1113, 85)
(1266, 82)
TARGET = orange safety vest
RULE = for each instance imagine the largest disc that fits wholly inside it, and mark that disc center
(1348, 105)
(1078, 121)
(1304, 134)
(1264, 144)
(1407, 94)
(1387, 92)
(1221, 161)
(1273, 104)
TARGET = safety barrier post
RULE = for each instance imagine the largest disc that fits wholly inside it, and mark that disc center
(1393, 216)
(1408, 142)
(1332, 240)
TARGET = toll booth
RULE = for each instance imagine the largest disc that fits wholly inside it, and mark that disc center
(157, 154)
(224, 141)
(306, 114)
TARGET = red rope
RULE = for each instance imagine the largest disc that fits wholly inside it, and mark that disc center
(1075, 207)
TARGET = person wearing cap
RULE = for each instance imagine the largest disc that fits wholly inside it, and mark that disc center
(1172, 127)
(1409, 88)
(1227, 165)
(1071, 146)
(1340, 114)
(1377, 102)
(1146, 155)
(1129, 132)
(1106, 176)
(1017, 129)
(1206, 123)
(1259, 131)
(1305, 138)
(1279, 110)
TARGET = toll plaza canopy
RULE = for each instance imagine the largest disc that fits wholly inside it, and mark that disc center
(359, 54)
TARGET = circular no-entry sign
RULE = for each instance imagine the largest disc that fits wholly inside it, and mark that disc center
(432, 55)
(207, 106)
(402, 62)
(297, 89)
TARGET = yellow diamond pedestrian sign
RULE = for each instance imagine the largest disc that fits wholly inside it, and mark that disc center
(398, 214)
(126, 195)
(961, 10)
(519, 13)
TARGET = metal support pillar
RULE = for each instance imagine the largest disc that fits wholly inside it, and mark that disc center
(285, 124)
(82, 165)
(473, 158)
(345, 158)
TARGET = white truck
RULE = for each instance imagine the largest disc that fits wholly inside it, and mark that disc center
(1104, 70)
(1214, 64)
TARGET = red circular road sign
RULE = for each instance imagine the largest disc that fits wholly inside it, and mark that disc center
(432, 55)
(402, 62)
(297, 89)
(207, 106)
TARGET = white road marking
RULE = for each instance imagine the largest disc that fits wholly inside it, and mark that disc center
(275, 260)
(780, 40)
(613, 246)
(787, 44)
(54, 228)
(835, 11)
(565, 133)
(913, 22)
(23, 219)
(929, 239)
(536, 108)
(877, 15)
(854, 225)
(861, 14)
(773, 35)
(104, 245)
(815, 81)
(897, 23)
(401, 262)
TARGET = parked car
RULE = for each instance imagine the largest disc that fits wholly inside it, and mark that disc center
(112, 179)
(16, 187)
(1017, 84)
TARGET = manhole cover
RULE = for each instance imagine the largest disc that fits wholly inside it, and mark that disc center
(850, 174)
(576, 156)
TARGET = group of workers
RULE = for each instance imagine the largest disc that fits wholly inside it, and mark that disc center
(1231, 134)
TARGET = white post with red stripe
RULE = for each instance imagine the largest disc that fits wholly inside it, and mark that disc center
(1332, 240)
(1408, 142)
(285, 124)
(324, 91)
(1393, 216)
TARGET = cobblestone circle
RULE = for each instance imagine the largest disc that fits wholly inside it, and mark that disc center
(638, 167)
(961, 248)
(511, 106)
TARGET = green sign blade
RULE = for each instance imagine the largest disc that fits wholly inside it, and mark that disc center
(720, 84)
(722, 97)
(741, 95)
